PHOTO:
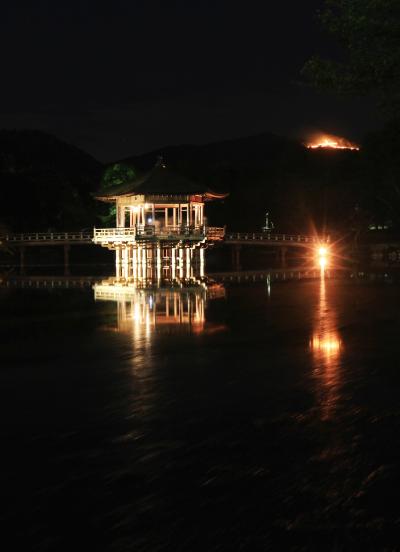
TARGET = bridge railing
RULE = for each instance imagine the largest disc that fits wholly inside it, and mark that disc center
(46, 237)
(265, 236)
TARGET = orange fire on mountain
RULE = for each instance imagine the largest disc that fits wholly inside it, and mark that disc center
(331, 142)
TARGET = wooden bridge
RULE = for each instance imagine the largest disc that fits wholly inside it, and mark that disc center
(280, 241)
(37, 239)
(46, 238)
(214, 234)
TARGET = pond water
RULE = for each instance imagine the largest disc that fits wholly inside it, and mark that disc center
(252, 416)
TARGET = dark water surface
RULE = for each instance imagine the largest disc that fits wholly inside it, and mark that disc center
(245, 420)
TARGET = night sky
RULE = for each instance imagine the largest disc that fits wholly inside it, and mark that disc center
(121, 77)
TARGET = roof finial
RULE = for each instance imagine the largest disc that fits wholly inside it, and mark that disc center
(160, 161)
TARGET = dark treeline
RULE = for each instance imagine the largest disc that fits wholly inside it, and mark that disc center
(47, 184)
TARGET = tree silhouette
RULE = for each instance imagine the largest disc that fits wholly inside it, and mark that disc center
(114, 176)
(368, 32)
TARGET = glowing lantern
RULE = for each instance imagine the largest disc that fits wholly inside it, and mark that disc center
(322, 255)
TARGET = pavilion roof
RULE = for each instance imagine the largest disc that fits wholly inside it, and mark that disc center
(159, 181)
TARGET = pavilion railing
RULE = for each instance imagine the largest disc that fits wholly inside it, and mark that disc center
(148, 231)
(215, 233)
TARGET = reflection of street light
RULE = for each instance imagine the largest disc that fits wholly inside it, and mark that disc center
(269, 225)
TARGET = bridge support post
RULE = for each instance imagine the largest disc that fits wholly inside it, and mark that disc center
(283, 252)
(66, 259)
(22, 259)
(202, 262)
(236, 249)
(134, 262)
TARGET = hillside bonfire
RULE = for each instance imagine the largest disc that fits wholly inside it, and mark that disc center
(329, 141)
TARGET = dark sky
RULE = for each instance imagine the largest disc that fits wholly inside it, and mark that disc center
(123, 77)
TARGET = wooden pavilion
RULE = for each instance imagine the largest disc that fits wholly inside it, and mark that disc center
(160, 222)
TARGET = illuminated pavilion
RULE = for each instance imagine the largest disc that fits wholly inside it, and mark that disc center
(160, 224)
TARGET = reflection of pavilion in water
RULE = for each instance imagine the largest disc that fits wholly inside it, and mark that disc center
(160, 304)
(327, 347)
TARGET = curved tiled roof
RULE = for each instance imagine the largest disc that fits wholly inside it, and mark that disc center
(160, 181)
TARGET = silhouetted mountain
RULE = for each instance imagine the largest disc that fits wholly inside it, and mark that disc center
(255, 151)
(45, 183)
(301, 188)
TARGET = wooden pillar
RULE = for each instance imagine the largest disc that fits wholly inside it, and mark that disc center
(236, 257)
(158, 262)
(130, 251)
(173, 263)
(144, 263)
(118, 262)
(67, 248)
(125, 263)
(134, 262)
(187, 262)
(180, 262)
(22, 259)
(202, 265)
(121, 216)
(139, 261)
(283, 256)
